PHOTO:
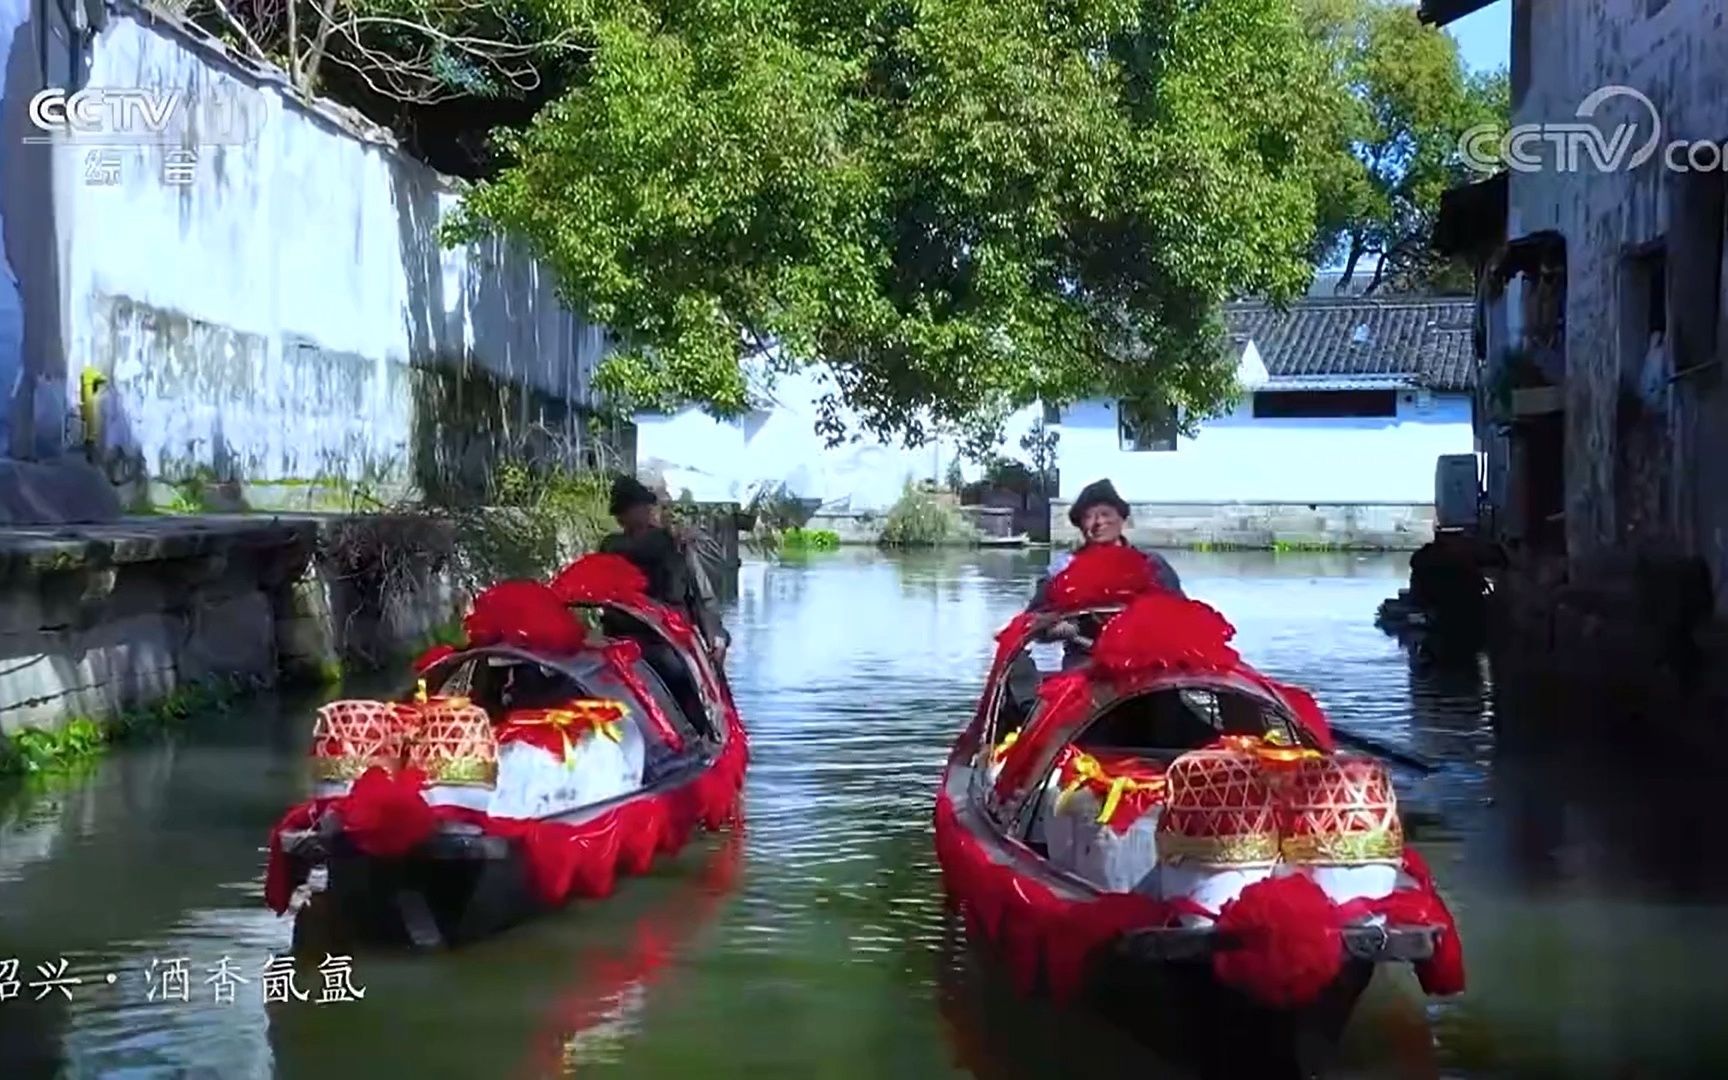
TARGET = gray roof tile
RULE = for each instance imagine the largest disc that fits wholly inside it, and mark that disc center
(1426, 341)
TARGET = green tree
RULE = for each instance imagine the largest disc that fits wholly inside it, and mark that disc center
(955, 207)
(1405, 102)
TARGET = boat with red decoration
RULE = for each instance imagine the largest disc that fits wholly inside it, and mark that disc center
(1161, 817)
(580, 732)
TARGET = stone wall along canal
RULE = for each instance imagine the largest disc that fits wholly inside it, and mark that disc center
(816, 945)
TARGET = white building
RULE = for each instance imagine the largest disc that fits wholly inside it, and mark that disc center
(1347, 406)
(729, 460)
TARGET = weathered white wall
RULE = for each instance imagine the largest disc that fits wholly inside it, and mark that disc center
(41, 50)
(14, 17)
(262, 321)
(1678, 58)
(728, 460)
(1237, 458)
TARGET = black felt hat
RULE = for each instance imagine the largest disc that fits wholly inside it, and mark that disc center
(628, 492)
(1097, 493)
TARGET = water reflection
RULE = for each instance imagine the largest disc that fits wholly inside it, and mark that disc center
(817, 943)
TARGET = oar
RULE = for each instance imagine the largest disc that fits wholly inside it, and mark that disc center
(1380, 749)
(1348, 738)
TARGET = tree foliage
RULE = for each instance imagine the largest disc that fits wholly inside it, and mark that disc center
(953, 207)
(1406, 101)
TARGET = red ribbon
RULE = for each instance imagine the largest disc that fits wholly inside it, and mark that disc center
(622, 656)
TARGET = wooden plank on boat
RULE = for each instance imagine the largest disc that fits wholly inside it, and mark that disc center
(1370, 943)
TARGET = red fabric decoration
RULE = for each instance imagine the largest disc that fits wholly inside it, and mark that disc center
(1442, 974)
(1307, 712)
(683, 635)
(622, 656)
(643, 822)
(424, 662)
(1142, 786)
(1284, 942)
(559, 731)
(386, 816)
(1101, 574)
(281, 874)
(525, 614)
(1063, 698)
(1087, 928)
(1039, 931)
(1010, 639)
(1162, 630)
(600, 578)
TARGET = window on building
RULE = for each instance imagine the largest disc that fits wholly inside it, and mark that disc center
(1324, 404)
(1147, 425)
(1052, 414)
(1655, 270)
(1644, 318)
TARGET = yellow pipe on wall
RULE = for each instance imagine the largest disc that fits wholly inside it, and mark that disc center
(90, 384)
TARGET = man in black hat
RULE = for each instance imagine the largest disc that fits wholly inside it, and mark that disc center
(674, 576)
(1099, 513)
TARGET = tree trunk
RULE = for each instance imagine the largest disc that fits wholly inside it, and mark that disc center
(1357, 250)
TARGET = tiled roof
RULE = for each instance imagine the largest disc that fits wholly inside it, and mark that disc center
(1421, 342)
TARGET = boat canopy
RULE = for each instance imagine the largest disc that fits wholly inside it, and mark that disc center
(1154, 643)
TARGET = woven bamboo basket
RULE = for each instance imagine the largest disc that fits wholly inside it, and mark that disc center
(349, 737)
(1342, 811)
(455, 745)
(1218, 811)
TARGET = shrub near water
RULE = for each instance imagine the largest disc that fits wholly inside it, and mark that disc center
(796, 539)
(919, 519)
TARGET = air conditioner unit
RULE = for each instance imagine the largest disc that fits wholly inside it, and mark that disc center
(1456, 491)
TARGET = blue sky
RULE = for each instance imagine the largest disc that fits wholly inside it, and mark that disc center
(1485, 38)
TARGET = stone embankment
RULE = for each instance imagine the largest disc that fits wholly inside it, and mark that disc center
(100, 613)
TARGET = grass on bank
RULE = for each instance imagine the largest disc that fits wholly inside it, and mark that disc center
(80, 740)
(1276, 546)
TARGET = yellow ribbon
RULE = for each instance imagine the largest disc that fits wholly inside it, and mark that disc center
(1087, 770)
(565, 719)
(1274, 747)
(1002, 748)
(1120, 786)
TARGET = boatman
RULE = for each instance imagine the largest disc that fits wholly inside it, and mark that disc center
(675, 576)
(1099, 513)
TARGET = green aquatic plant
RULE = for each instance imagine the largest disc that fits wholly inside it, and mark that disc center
(796, 539)
(72, 745)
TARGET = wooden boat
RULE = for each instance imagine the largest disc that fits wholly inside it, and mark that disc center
(579, 733)
(1162, 818)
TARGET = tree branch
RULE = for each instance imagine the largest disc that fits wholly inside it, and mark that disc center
(239, 28)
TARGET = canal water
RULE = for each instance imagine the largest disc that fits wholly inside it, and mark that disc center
(1589, 893)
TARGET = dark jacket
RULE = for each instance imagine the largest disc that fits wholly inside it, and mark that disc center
(674, 576)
